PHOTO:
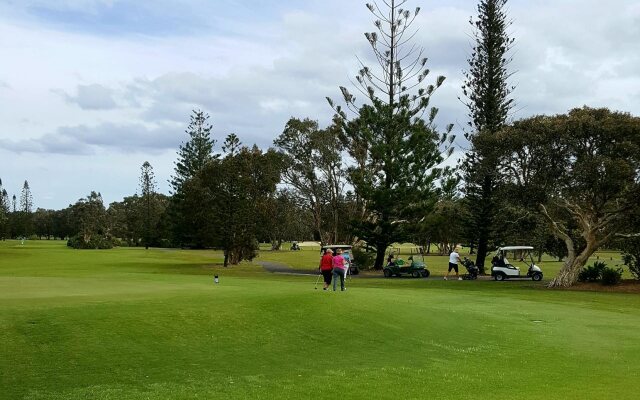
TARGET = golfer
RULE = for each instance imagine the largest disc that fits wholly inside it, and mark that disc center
(338, 270)
(454, 259)
(326, 265)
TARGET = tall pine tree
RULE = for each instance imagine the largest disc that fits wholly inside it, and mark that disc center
(487, 96)
(26, 199)
(193, 156)
(147, 190)
(393, 139)
(196, 152)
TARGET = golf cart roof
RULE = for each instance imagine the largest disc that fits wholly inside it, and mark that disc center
(511, 248)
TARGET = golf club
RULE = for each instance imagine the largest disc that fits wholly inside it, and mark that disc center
(317, 279)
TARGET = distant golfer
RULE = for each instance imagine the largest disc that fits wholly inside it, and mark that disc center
(326, 265)
(454, 259)
(339, 267)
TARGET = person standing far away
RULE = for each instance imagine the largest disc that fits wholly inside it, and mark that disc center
(338, 270)
(326, 265)
(454, 259)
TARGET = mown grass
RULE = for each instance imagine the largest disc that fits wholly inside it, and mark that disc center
(308, 259)
(136, 324)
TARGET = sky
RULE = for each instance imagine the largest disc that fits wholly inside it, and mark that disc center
(91, 89)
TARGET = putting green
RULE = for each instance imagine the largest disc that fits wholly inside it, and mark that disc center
(136, 324)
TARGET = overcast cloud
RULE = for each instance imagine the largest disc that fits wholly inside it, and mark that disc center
(90, 89)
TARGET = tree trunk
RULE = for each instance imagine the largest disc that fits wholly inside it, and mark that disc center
(226, 258)
(380, 250)
(568, 275)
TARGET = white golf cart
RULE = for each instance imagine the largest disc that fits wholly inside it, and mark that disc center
(501, 267)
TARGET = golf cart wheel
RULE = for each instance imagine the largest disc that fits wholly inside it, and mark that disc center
(537, 277)
(387, 273)
(415, 274)
(425, 273)
(499, 277)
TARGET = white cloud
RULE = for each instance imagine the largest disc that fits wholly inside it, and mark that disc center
(91, 97)
(128, 96)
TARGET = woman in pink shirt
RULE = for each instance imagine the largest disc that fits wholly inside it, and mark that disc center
(338, 270)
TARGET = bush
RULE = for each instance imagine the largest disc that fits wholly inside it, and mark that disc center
(363, 258)
(633, 262)
(611, 276)
(592, 273)
(96, 242)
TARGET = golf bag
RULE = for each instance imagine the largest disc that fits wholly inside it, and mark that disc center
(472, 270)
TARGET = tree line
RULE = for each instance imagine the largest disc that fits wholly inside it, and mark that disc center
(381, 171)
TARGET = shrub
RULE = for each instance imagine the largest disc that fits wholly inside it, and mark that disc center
(611, 276)
(592, 273)
(633, 262)
(362, 258)
(96, 242)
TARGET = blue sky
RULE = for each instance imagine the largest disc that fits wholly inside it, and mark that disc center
(90, 89)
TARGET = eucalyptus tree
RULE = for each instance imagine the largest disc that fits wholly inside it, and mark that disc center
(487, 96)
(391, 137)
(584, 168)
(314, 171)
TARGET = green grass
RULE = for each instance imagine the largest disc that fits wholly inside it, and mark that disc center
(309, 258)
(136, 324)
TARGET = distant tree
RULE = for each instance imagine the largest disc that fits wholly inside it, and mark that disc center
(26, 199)
(231, 144)
(88, 219)
(284, 217)
(397, 153)
(314, 172)
(193, 155)
(196, 152)
(148, 192)
(61, 224)
(228, 194)
(14, 204)
(4, 212)
(43, 223)
(487, 96)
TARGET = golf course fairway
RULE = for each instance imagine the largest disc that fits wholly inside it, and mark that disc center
(134, 324)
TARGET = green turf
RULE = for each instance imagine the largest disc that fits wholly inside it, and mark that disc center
(136, 324)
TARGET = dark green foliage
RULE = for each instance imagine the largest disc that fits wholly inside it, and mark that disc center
(5, 208)
(632, 261)
(196, 152)
(579, 170)
(26, 199)
(148, 192)
(611, 276)
(228, 197)
(592, 273)
(487, 97)
(364, 259)
(396, 151)
(284, 217)
(44, 223)
(94, 242)
(192, 158)
(88, 220)
(313, 170)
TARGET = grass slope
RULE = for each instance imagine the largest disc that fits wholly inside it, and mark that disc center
(136, 324)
